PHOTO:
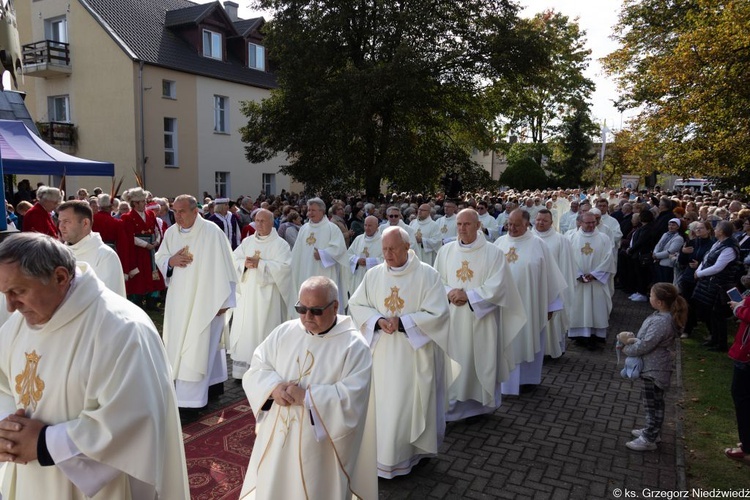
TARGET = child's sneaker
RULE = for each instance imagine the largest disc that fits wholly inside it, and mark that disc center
(641, 444)
(638, 432)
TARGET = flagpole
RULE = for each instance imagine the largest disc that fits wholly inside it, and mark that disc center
(3, 213)
(601, 155)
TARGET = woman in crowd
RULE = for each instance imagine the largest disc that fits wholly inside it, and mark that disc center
(666, 251)
(690, 257)
(641, 256)
(357, 222)
(715, 275)
(292, 225)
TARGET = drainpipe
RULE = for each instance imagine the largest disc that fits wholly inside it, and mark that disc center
(142, 92)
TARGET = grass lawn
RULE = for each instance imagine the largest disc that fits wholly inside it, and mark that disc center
(709, 420)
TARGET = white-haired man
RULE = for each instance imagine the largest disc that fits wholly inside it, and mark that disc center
(318, 251)
(309, 387)
(402, 310)
(264, 264)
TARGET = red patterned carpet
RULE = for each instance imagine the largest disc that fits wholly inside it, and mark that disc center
(217, 448)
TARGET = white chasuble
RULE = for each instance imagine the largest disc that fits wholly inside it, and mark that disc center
(104, 261)
(363, 247)
(411, 371)
(482, 331)
(447, 228)
(96, 372)
(196, 294)
(490, 224)
(592, 302)
(409, 230)
(432, 239)
(540, 284)
(325, 449)
(327, 239)
(261, 295)
(557, 327)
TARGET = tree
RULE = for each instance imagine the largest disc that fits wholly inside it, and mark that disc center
(524, 174)
(531, 103)
(686, 64)
(373, 90)
(575, 149)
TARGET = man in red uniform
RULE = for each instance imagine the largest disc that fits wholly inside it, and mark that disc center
(114, 234)
(38, 218)
(141, 223)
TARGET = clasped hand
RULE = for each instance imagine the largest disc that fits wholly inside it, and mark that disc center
(288, 394)
(18, 438)
(458, 297)
(251, 262)
(388, 325)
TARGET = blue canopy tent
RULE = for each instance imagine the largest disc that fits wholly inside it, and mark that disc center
(22, 152)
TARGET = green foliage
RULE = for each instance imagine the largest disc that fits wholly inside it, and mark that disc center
(531, 104)
(686, 63)
(575, 150)
(373, 90)
(524, 173)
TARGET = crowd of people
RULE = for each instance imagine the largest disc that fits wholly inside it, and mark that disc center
(432, 308)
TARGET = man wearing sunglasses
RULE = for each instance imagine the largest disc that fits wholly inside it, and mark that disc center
(402, 310)
(309, 387)
(396, 219)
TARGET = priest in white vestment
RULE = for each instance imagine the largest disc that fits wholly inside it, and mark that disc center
(447, 223)
(568, 219)
(486, 314)
(488, 222)
(319, 251)
(427, 233)
(75, 219)
(402, 310)
(541, 286)
(309, 387)
(562, 253)
(263, 261)
(592, 303)
(395, 218)
(364, 253)
(196, 260)
(87, 406)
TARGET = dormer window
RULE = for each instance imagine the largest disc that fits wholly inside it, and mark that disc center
(256, 56)
(212, 45)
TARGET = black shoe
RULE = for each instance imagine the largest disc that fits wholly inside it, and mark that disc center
(527, 388)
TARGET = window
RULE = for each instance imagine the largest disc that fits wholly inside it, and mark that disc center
(212, 45)
(56, 29)
(269, 184)
(169, 89)
(221, 184)
(221, 114)
(170, 142)
(58, 108)
(256, 56)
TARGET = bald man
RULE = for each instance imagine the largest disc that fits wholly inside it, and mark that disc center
(365, 253)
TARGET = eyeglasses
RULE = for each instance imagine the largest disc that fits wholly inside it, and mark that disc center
(394, 216)
(315, 311)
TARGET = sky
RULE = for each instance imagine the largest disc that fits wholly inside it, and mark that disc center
(596, 18)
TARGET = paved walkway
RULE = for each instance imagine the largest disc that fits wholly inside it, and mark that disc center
(565, 440)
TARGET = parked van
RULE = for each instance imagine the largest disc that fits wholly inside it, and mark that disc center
(696, 185)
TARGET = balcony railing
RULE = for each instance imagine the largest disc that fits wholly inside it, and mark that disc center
(46, 58)
(62, 135)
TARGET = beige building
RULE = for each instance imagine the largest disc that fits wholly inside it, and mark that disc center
(154, 86)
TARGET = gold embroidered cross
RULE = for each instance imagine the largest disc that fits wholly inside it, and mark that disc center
(419, 233)
(464, 274)
(28, 384)
(256, 255)
(444, 229)
(511, 256)
(393, 302)
(311, 239)
(366, 252)
(587, 250)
